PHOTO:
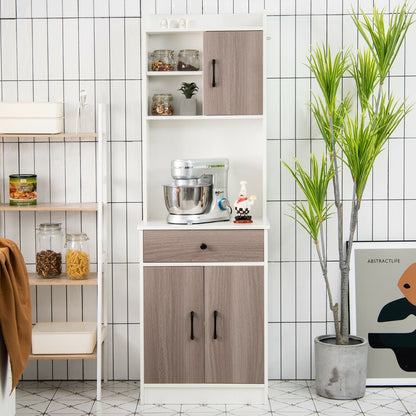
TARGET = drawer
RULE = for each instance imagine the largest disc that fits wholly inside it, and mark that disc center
(203, 246)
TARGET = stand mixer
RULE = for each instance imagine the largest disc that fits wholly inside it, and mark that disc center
(199, 191)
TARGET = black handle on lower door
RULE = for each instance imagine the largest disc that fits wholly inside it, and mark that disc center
(192, 325)
(213, 73)
(215, 324)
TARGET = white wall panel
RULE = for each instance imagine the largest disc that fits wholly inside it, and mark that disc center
(8, 49)
(211, 6)
(225, 6)
(24, 49)
(102, 48)
(86, 48)
(24, 8)
(288, 345)
(70, 48)
(132, 52)
(117, 54)
(101, 8)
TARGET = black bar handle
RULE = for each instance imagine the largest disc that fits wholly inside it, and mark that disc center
(215, 324)
(213, 73)
(192, 325)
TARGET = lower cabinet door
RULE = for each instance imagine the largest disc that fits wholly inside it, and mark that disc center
(173, 324)
(234, 324)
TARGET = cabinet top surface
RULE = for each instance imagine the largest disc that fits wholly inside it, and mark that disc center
(220, 225)
(195, 23)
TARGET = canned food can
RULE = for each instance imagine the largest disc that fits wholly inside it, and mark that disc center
(22, 189)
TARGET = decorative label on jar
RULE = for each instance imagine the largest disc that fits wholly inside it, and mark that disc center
(22, 190)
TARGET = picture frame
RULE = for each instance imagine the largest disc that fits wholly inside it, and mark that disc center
(382, 289)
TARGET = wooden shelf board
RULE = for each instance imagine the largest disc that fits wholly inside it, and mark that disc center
(91, 356)
(173, 73)
(68, 135)
(86, 206)
(35, 280)
(200, 117)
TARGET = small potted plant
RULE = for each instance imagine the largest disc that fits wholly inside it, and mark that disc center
(354, 135)
(188, 104)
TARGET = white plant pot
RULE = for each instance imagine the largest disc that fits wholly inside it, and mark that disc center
(188, 107)
(340, 370)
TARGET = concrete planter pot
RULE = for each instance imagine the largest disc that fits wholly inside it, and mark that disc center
(188, 106)
(340, 370)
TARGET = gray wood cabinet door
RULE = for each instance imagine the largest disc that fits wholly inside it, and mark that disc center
(237, 72)
(171, 294)
(234, 338)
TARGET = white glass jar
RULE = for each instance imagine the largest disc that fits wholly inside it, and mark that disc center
(162, 60)
(162, 105)
(77, 256)
(188, 60)
(49, 248)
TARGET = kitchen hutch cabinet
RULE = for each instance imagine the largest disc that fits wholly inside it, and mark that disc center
(98, 273)
(203, 287)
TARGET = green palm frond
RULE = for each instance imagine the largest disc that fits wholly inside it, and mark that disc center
(384, 45)
(364, 71)
(314, 187)
(328, 72)
(322, 119)
(389, 116)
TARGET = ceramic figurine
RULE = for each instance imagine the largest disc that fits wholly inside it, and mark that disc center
(243, 204)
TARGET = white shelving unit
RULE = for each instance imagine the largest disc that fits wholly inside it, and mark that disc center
(240, 138)
(99, 278)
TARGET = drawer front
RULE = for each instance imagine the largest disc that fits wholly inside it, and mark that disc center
(203, 246)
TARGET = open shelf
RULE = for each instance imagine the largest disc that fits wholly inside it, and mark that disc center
(35, 280)
(78, 135)
(85, 206)
(200, 117)
(91, 356)
(172, 73)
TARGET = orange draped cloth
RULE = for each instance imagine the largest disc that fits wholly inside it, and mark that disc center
(15, 307)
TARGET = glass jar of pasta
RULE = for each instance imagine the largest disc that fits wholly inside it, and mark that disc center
(49, 250)
(77, 256)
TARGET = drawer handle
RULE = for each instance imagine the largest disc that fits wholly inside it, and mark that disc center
(215, 324)
(213, 73)
(192, 325)
(203, 246)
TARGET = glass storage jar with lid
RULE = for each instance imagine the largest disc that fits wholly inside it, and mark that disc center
(77, 256)
(162, 60)
(188, 60)
(162, 105)
(49, 248)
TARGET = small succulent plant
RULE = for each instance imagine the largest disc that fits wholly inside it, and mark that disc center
(189, 89)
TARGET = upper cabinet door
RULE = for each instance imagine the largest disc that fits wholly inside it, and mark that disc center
(233, 73)
(234, 324)
(173, 335)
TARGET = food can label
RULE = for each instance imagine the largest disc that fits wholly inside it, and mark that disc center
(23, 191)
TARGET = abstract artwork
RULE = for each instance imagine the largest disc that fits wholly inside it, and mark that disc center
(383, 308)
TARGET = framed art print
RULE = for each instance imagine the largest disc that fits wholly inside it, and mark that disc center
(383, 308)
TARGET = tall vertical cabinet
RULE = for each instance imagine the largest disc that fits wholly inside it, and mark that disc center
(58, 209)
(203, 287)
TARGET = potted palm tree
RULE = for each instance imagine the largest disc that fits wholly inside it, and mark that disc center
(354, 136)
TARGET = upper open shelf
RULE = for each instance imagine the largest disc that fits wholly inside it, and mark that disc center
(86, 206)
(68, 135)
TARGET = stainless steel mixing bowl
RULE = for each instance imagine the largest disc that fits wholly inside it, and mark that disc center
(183, 200)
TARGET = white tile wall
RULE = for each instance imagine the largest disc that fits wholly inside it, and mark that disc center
(49, 50)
